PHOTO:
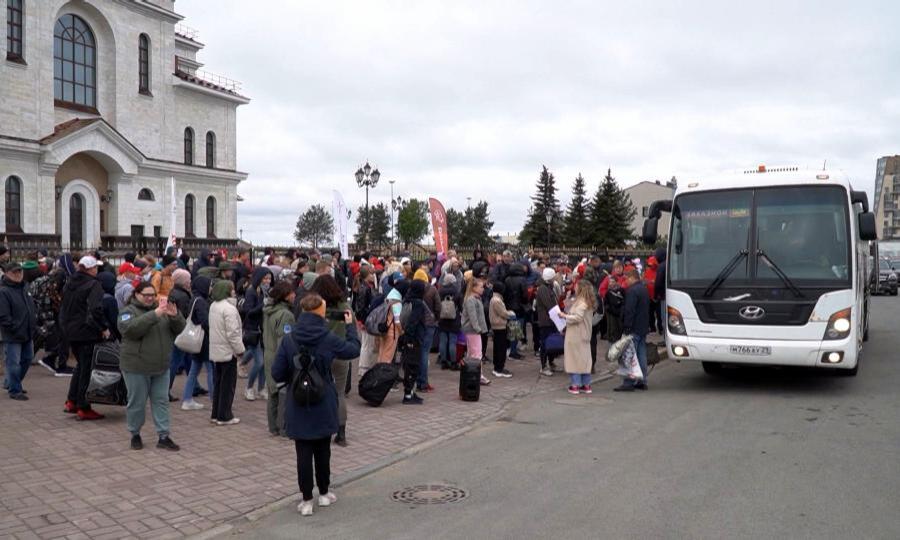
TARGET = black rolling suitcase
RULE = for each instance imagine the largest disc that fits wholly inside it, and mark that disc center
(107, 386)
(375, 385)
(470, 380)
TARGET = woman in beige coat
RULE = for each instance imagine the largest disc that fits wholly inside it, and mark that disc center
(225, 346)
(578, 338)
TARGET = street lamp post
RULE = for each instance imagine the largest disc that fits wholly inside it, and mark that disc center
(396, 206)
(392, 211)
(549, 219)
(366, 177)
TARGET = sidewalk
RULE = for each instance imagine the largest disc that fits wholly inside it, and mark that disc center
(80, 480)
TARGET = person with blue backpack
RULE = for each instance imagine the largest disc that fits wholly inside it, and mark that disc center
(304, 360)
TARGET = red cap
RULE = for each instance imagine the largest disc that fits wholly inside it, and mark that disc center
(128, 268)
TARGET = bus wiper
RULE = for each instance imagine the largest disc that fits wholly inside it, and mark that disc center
(723, 275)
(771, 264)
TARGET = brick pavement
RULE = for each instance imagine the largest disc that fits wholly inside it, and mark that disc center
(69, 479)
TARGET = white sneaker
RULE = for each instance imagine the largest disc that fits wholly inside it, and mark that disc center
(231, 422)
(546, 372)
(485, 381)
(191, 405)
(263, 394)
(328, 499)
(249, 394)
(305, 508)
(502, 374)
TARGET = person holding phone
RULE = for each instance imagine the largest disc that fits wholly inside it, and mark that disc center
(148, 329)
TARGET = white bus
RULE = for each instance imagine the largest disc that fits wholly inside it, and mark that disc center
(767, 267)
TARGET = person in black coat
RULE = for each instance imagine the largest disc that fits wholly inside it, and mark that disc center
(448, 328)
(84, 325)
(110, 306)
(515, 297)
(311, 426)
(252, 314)
(200, 287)
(412, 340)
(636, 323)
(18, 323)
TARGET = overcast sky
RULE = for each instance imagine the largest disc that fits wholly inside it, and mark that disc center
(458, 99)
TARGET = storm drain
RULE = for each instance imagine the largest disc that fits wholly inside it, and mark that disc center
(430, 494)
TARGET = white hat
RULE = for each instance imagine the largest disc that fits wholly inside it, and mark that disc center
(404, 260)
(88, 262)
(548, 274)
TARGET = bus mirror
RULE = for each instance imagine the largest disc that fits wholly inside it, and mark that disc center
(867, 230)
(648, 235)
(860, 197)
(658, 207)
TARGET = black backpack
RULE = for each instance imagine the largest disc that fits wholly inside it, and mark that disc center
(615, 302)
(308, 385)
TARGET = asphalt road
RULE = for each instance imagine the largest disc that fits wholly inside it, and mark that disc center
(754, 453)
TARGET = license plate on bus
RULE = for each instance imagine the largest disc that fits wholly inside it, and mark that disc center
(748, 350)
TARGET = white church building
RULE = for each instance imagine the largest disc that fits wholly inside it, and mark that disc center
(102, 105)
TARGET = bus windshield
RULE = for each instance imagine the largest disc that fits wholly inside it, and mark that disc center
(801, 229)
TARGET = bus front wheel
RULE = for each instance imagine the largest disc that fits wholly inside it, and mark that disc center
(712, 368)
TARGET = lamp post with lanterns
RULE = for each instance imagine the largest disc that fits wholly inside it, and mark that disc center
(367, 178)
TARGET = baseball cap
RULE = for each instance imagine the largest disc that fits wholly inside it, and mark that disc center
(128, 268)
(88, 262)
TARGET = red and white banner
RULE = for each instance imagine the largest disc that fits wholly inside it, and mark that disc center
(439, 226)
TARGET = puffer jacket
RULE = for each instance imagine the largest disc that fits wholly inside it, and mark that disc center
(320, 420)
(81, 314)
(18, 312)
(147, 339)
(225, 336)
(516, 294)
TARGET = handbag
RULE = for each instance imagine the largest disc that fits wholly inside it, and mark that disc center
(250, 338)
(190, 340)
(514, 330)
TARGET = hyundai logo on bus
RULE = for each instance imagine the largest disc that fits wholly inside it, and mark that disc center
(752, 313)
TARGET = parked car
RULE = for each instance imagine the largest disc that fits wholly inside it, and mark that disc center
(887, 277)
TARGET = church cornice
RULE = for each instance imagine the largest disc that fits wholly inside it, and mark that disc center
(147, 8)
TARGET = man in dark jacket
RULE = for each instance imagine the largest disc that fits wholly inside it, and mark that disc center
(500, 271)
(636, 322)
(205, 259)
(311, 426)
(84, 325)
(515, 297)
(18, 323)
(545, 300)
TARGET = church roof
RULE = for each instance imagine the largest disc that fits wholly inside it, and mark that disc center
(68, 127)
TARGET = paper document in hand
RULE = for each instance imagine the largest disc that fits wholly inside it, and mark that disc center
(557, 320)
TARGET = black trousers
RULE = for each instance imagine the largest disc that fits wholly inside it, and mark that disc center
(308, 451)
(224, 382)
(535, 332)
(595, 332)
(410, 358)
(545, 331)
(81, 377)
(501, 343)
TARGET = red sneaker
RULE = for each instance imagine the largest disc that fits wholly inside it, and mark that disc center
(573, 390)
(586, 389)
(427, 388)
(70, 408)
(90, 414)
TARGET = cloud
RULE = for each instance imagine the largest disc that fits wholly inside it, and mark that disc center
(469, 99)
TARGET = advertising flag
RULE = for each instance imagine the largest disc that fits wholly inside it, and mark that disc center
(439, 226)
(341, 224)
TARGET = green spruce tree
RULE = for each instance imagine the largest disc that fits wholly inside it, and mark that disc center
(577, 223)
(538, 230)
(611, 214)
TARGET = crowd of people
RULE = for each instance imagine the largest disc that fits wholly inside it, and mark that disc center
(299, 318)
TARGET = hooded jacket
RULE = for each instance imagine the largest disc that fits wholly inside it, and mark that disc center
(147, 338)
(225, 338)
(516, 295)
(320, 420)
(110, 305)
(18, 312)
(202, 261)
(81, 314)
(414, 326)
(200, 291)
(254, 300)
(545, 300)
(450, 325)
(278, 321)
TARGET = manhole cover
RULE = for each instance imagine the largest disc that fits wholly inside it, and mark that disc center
(430, 494)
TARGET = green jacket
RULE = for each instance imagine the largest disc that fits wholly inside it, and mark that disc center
(147, 340)
(278, 319)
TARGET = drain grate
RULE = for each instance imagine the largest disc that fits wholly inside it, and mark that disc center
(430, 494)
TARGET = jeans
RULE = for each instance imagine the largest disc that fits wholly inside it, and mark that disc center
(176, 361)
(18, 360)
(257, 372)
(140, 387)
(307, 451)
(544, 332)
(224, 382)
(580, 379)
(340, 370)
(446, 348)
(81, 377)
(640, 347)
(426, 349)
(198, 361)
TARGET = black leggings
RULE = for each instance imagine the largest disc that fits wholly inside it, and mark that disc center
(224, 382)
(501, 343)
(410, 357)
(307, 451)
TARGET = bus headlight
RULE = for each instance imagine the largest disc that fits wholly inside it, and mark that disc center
(675, 321)
(838, 325)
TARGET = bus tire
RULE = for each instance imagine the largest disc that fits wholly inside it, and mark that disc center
(712, 368)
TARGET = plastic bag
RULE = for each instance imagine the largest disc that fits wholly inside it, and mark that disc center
(101, 380)
(628, 363)
(616, 349)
